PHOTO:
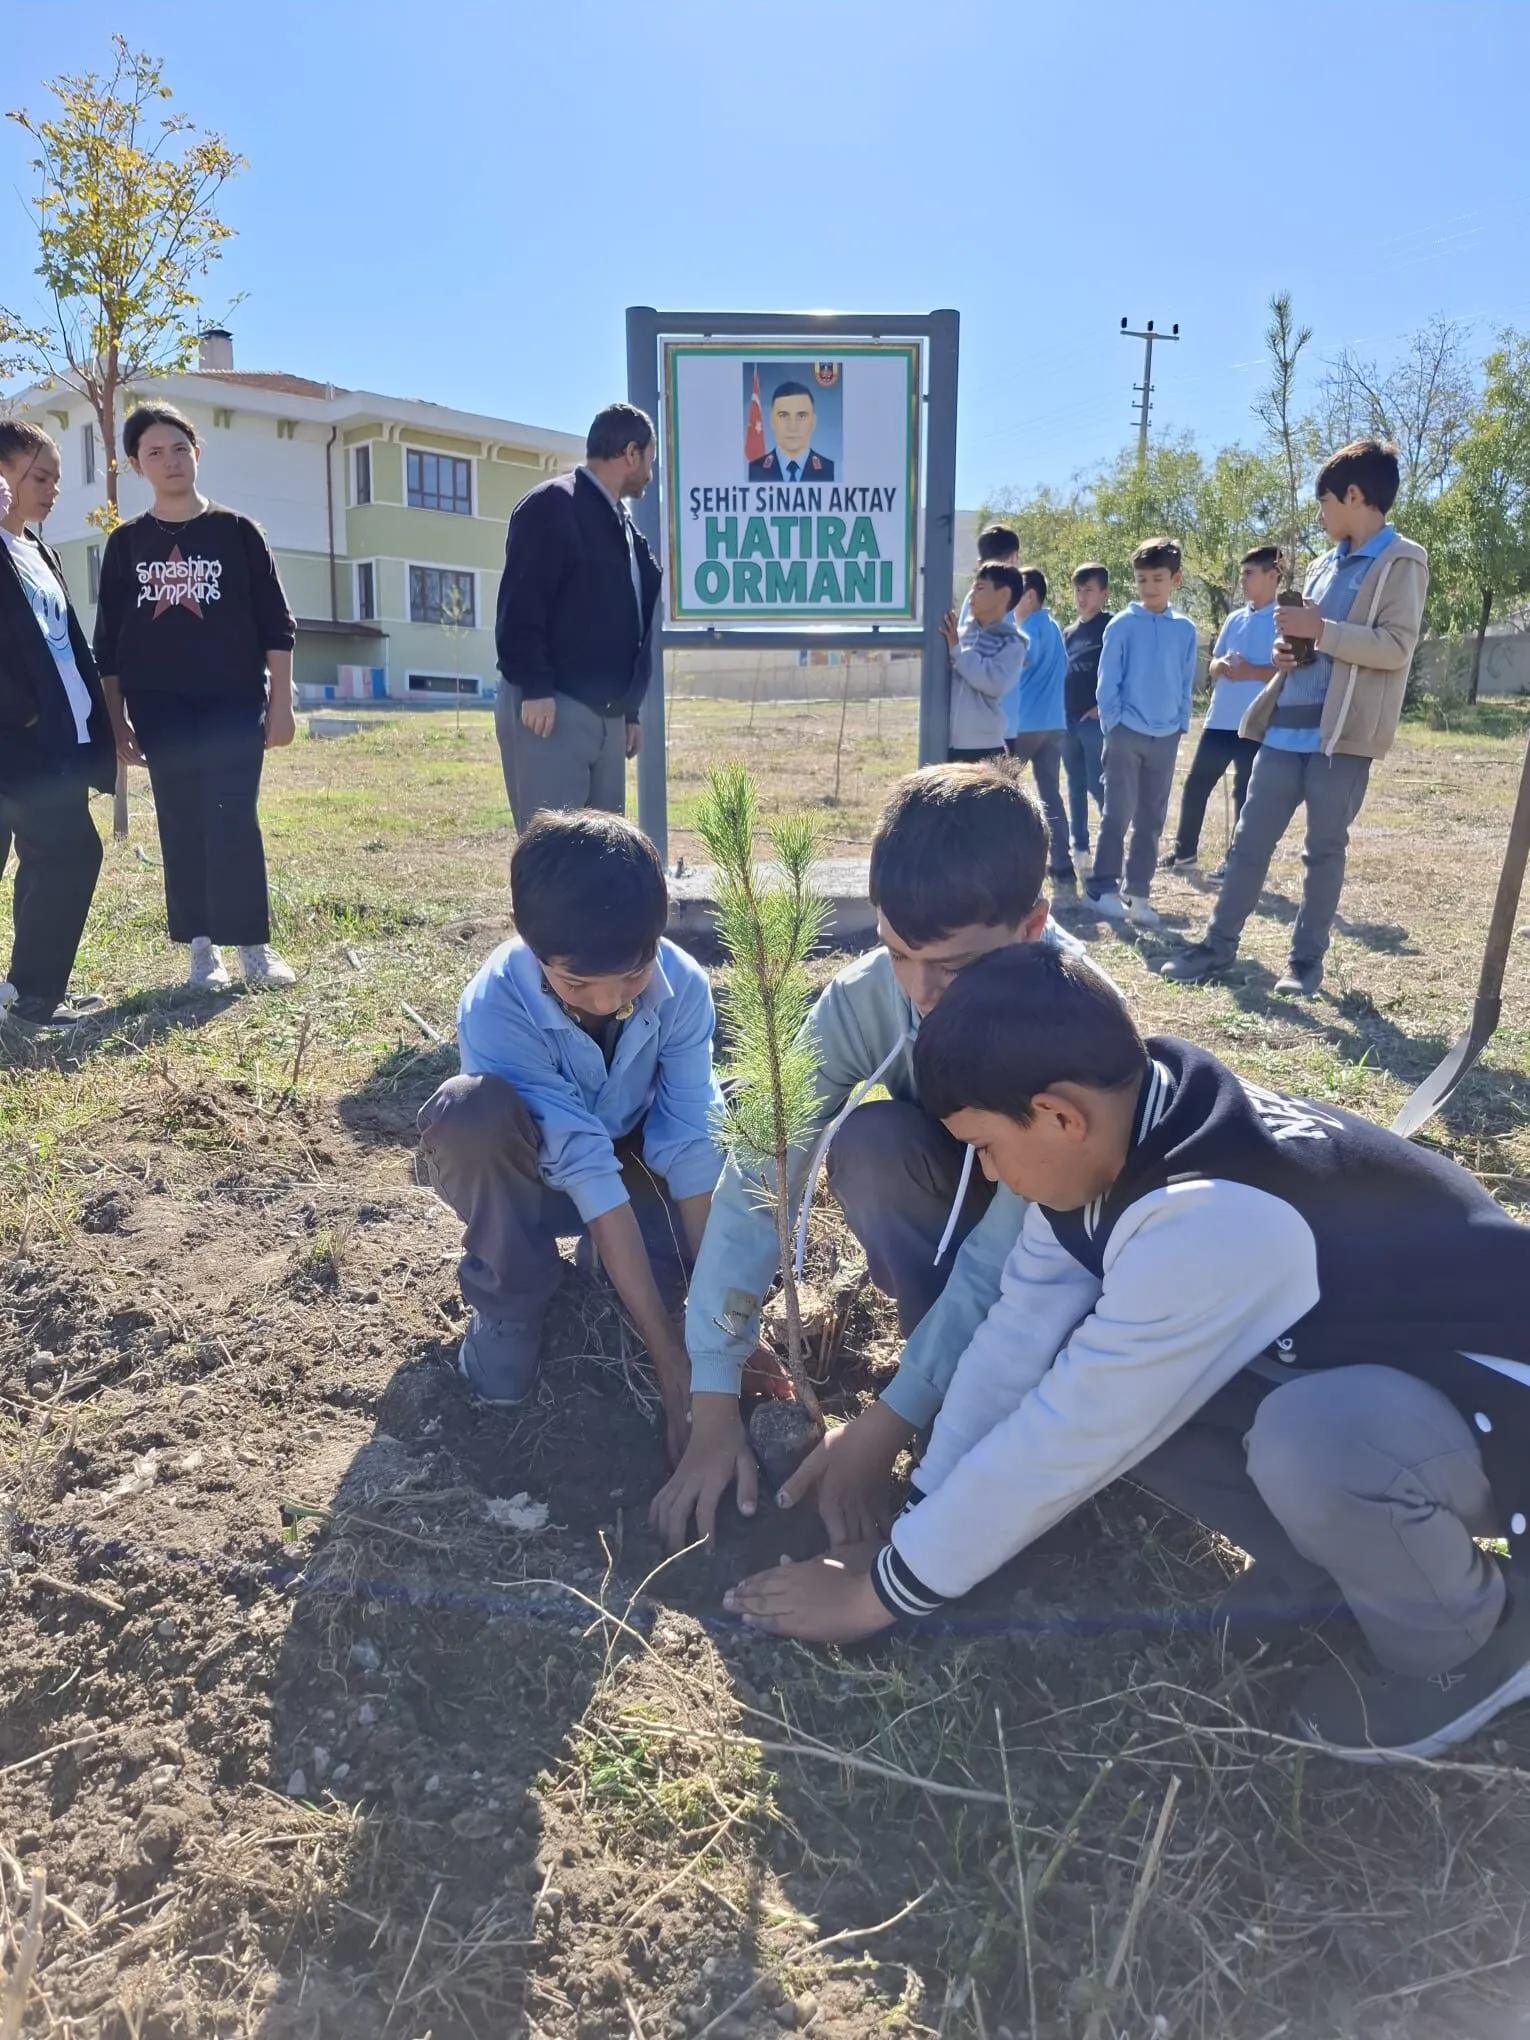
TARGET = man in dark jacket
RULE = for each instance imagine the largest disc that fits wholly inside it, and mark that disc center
(55, 742)
(575, 626)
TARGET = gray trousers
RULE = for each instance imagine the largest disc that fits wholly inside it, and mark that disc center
(480, 1143)
(1364, 1476)
(895, 1171)
(1332, 790)
(583, 764)
(1139, 777)
(1043, 751)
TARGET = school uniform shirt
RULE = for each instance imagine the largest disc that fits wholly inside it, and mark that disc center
(191, 608)
(1251, 632)
(1035, 702)
(50, 605)
(1333, 584)
(1246, 1230)
(1147, 671)
(659, 1075)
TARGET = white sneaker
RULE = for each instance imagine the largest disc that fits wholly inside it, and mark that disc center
(262, 966)
(1141, 915)
(208, 972)
(8, 994)
(1109, 906)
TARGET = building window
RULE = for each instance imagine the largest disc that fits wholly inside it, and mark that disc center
(442, 595)
(88, 458)
(443, 683)
(366, 591)
(93, 571)
(438, 481)
(363, 474)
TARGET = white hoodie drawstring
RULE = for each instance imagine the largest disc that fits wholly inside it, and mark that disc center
(956, 1209)
(816, 1163)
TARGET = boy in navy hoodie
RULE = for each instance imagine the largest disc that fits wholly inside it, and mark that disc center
(1300, 1329)
(1147, 676)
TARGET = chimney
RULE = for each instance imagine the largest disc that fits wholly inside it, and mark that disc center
(216, 349)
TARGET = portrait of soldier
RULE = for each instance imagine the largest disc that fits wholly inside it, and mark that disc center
(793, 458)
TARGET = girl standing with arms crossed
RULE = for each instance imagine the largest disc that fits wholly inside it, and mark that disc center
(194, 642)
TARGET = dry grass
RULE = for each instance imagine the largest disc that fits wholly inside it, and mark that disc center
(586, 1806)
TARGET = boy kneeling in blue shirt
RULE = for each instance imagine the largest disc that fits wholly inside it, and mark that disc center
(585, 1105)
(1303, 1331)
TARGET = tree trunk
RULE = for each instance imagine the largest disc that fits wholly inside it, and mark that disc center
(1482, 624)
(109, 450)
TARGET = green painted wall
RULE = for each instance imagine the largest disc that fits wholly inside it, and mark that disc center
(305, 577)
(430, 537)
(501, 486)
(387, 472)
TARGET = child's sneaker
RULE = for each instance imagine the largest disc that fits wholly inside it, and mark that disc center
(208, 972)
(1357, 1708)
(500, 1357)
(1109, 906)
(262, 967)
(1141, 915)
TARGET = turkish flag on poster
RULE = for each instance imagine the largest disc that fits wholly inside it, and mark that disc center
(754, 433)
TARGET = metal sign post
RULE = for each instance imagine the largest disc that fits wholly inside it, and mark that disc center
(940, 332)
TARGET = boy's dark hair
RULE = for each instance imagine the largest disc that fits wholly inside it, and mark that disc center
(1370, 465)
(1034, 582)
(616, 428)
(19, 436)
(957, 846)
(587, 890)
(998, 542)
(1015, 1023)
(1010, 579)
(1092, 570)
(142, 416)
(1261, 556)
(1159, 552)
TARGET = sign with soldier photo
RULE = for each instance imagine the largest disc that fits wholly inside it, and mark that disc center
(791, 478)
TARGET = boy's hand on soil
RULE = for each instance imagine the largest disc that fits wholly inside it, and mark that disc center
(852, 1471)
(717, 1455)
(823, 1600)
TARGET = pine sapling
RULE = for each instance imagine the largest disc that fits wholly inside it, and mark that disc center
(768, 929)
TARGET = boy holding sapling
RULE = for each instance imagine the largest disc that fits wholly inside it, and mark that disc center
(585, 1104)
(958, 863)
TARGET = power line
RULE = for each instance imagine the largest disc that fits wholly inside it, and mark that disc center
(1145, 387)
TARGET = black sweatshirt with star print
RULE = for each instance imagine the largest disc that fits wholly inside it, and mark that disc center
(191, 608)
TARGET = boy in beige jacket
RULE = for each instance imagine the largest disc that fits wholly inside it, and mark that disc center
(1321, 723)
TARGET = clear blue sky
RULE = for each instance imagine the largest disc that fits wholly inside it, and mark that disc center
(457, 200)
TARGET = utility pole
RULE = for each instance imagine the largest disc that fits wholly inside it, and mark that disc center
(1145, 400)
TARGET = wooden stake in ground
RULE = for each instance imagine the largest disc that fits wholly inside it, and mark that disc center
(768, 930)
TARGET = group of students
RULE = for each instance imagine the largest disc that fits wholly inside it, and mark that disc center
(190, 673)
(1109, 1256)
(1307, 693)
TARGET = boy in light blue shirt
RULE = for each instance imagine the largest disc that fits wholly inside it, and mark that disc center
(1242, 661)
(1035, 718)
(585, 1105)
(1147, 677)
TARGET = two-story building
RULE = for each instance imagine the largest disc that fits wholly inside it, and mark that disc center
(386, 514)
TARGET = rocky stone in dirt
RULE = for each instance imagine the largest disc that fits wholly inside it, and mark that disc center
(781, 1434)
(365, 1655)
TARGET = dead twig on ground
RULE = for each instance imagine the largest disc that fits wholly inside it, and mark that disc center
(13, 2006)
